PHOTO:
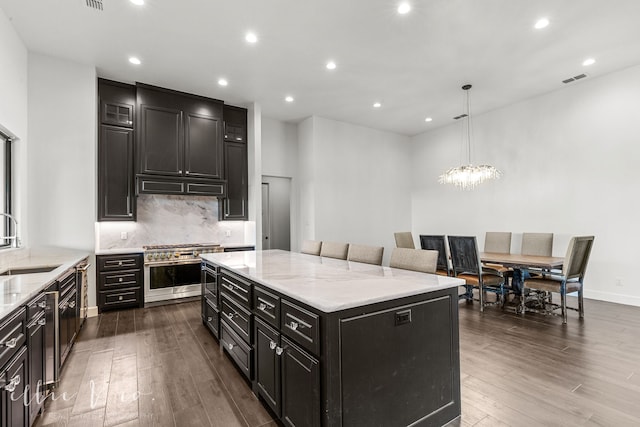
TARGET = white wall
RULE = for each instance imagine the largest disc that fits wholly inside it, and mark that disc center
(62, 102)
(570, 162)
(360, 182)
(280, 159)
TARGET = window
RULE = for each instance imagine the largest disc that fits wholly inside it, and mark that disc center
(6, 227)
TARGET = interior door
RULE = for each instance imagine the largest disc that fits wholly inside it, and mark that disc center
(266, 217)
(276, 204)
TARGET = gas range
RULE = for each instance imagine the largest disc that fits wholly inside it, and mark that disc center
(177, 253)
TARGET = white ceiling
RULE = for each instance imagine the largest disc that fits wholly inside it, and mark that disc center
(413, 64)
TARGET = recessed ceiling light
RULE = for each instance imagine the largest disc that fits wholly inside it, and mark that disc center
(134, 60)
(588, 61)
(428, 119)
(289, 98)
(331, 65)
(404, 8)
(541, 23)
(138, 2)
(223, 82)
(377, 105)
(251, 37)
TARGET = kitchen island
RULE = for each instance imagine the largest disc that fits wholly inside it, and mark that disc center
(327, 342)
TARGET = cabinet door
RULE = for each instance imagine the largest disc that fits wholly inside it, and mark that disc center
(234, 206)
(235, 124)
(14, 412)
(116, 185)
(117, 103)
(36, 348)
(161, 144)
(300, 387)
(267, 344)
(203, 146)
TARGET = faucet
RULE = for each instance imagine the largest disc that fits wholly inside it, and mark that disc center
(15, 238)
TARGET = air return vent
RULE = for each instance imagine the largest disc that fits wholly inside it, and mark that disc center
(96, 4)
(459, 117)
(574, 78)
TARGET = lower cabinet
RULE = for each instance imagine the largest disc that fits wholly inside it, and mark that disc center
(286, 377)
(36, 357)
(119, 279)
(13, 379)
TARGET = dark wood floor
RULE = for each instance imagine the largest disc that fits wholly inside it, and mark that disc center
(160, 366)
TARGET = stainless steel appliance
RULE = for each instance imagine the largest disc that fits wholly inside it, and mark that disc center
(173, 271)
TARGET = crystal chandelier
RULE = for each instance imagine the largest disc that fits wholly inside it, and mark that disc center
(468, 176)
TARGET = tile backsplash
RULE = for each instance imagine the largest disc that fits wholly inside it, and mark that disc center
(171, 220)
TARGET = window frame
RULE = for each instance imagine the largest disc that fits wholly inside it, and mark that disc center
(7, 202)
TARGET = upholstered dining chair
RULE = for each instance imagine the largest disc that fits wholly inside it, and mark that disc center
(465, 263)
(498, 242)
(571, 279)
(538, 244)
(437, 243)
(366, 254)
(311, 247)
(404, 239)
(334, 250)
(414, 259)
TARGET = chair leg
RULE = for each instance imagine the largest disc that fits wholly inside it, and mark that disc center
(563, 297)
(522, 300)
(481, 295)
(581, 302)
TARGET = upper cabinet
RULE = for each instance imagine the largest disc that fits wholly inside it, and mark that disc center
(116, 184)
(235, 124)
(234, 205)
(180, 143)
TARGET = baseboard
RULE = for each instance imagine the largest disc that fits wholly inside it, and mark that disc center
(92, 311)
(610, 297)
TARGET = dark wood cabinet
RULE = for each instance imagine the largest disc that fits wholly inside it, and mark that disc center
(267, 378)
(119, 281)
(234, 205)
(36, 358)
(180, 139)
(300, 387)
(13, 380)
(68, 313)
(116, 167)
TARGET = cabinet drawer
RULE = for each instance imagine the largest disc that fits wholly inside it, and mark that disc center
(12, 335)
(67, 283)
(119, 262)
(125, 279)
(211, 298)
(212, 319)
(237, 317)
(239, 351)
(267, 306)
(237, 288)
(301, 325)
(35, 307)
(209, 279)
(120, 298)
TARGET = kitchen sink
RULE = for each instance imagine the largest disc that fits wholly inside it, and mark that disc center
(29, 270)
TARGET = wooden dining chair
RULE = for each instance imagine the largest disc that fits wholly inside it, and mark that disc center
(366, 254)
(404, 239)
(334, 250)
(437, 243)
(311, 247)
(465, 263)
(571, 279)
(414, 259)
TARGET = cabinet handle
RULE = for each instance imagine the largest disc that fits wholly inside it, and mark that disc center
(11, 343)
(119, 262)
(272, 345)
(120, 298)
(120, 279)
(209, 319)
(180, 171)
(230, 346)
(42, 304)
(294, 325)
(72, 304)
(230, 315)
(262, 307)
(12, 384)
(42, 321)
(279, 350)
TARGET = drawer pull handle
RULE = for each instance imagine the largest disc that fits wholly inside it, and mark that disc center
(272, 345)
(209, 319)
(12, 384)
(230, 346)
(11, 343)
(279, 350)
(42, 304)
(120, 279)
(42, 321)
(119, 263)
(72, 304)
(262, 307)
(294, 325)
(230, 315)
(120, 298)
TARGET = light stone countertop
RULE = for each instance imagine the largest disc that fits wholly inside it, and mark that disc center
(18, 290)
(328, 284)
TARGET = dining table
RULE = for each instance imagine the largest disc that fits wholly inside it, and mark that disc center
(523, 262)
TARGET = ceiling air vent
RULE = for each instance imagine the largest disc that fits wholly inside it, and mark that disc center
(96, 4)
(459, 117)
(574, 78)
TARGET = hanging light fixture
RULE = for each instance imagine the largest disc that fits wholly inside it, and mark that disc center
(468, 176)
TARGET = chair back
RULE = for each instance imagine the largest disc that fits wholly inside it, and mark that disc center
(498, 242)
(334, 250)
(436, 243)
(414, 260)
(577, 257)
(311, 247)
(404, 239)
(366, 254)
(464, 255)
(538, 244)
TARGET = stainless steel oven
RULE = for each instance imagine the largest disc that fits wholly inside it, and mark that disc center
(173, 271)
